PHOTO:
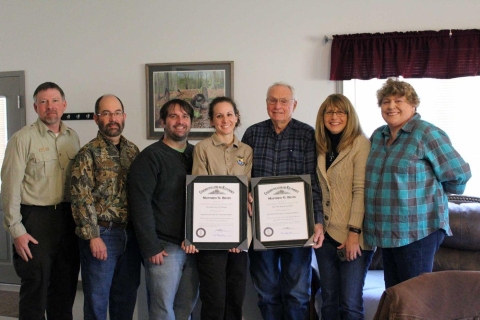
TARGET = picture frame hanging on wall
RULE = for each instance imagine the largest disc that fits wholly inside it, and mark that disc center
(198, 83)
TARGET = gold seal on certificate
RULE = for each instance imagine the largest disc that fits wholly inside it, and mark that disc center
(283, 212)
(216, 212)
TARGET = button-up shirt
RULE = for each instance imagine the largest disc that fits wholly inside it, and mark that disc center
(99, 184)
(406, 184)
(291, 152)
(212, 157)
(36, 170)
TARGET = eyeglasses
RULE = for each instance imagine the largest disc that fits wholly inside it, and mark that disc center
(339, 113)
(283, 101)
(108, 114)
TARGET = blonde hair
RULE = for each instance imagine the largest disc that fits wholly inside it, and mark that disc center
(351, 131)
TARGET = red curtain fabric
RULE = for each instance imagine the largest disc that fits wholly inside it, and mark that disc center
(441, 54)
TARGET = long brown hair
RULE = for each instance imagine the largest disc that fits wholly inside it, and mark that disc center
(351, 131)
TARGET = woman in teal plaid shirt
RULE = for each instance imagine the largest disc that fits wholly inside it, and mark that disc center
(411, 168)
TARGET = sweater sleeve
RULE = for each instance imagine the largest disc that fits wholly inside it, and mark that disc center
(143, 177)
(357, 210)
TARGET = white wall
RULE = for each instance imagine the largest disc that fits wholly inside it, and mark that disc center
(95, 47)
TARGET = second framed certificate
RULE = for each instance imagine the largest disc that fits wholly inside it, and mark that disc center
(216, 212)
(283, 212)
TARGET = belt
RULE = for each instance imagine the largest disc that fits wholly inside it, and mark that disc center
(112, 225)
(61, 206)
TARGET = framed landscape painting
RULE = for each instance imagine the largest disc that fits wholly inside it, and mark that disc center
(198, 83)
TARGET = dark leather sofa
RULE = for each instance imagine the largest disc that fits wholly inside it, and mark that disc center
(452, 291)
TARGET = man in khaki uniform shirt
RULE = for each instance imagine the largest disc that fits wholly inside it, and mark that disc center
(37, 212)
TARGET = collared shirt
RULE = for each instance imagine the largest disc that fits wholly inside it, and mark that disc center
(99, 184)
(406, 184)
(36, 170)
(212, 157)
(291, 152)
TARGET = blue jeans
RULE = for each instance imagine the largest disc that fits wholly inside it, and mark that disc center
(112, 283)
(411, 260)
(282, 279)
(172, 286)
(341, 282)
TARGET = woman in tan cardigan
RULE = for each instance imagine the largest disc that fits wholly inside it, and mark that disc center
(343, 259)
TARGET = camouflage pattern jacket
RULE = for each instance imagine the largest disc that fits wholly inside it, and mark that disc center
(99, 184)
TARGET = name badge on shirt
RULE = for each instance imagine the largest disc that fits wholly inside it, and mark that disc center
(43, 149)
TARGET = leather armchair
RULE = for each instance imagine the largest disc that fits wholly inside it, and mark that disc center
(437, 295)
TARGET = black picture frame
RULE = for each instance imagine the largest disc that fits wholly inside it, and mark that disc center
(218, 183)
(279, 183)
(195, 82)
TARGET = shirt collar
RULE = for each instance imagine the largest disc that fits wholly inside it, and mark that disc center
(102, 136)
(217, 142)
(407, 127)
(284, 133)
(43, 129)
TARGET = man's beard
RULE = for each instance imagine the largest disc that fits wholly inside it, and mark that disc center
(50, 118)
(175, 137)
(112, 131)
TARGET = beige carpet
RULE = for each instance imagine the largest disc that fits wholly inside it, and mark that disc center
(9, 304)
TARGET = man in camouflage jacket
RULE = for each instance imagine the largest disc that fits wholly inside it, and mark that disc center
(109, 252)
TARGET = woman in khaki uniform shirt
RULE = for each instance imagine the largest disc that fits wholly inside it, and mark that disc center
(222, 273)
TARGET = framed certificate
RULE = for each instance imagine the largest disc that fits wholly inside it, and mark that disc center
(282, 212)
(216, 212)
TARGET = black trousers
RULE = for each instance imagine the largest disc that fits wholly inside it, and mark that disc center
(49, 279)
(223, 278)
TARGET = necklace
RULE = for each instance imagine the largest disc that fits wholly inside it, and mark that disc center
(331, 156)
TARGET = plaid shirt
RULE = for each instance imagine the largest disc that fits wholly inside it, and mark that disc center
(292, 152)
(406, 184)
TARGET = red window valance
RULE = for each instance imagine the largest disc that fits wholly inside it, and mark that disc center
(441, 54)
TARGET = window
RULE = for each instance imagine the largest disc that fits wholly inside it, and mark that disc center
(452, 105)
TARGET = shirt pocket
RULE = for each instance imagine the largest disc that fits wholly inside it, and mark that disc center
(45, 164)
(295, 162)
(71, 154)
(410, 168)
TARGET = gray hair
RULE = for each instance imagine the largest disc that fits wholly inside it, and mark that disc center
(283, 84)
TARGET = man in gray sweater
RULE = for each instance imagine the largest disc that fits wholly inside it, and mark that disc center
(157, 204)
